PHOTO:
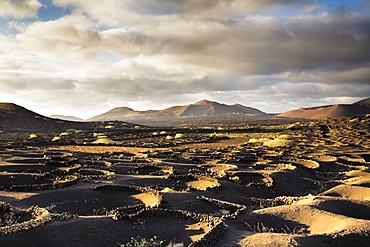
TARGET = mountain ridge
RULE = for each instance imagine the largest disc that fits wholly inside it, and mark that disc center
(363, 102)
(330, 111)
(17, 118)
(200, 108)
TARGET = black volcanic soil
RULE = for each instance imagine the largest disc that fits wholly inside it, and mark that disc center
(282, 184)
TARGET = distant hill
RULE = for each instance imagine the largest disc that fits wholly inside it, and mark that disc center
(15, 118)
(365, 102)
(200, 108)
(68, 118)
(330, 111)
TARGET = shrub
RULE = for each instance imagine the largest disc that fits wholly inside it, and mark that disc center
(179, 135)
(155, 133)
(104, 141)
(32, 136)
(236, 179)
(214, 134)
(163, 132)
(169, 137)
(109, 127)
(57, 138)
(168, 190)
(280, 143)
(143, 242)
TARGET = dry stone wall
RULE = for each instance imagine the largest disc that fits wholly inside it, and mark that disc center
(237, 209)
(39, 217)
(69, 180)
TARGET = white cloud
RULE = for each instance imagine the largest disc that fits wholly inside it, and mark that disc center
(186, 51)
(19, 9)
(109, 12)
(255, 45)
(115, 12)
(71, 38)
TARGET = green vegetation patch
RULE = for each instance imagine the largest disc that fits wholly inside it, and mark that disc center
(179, 135)
(144, 242)
(277, 142)
(56, 138)
(32, 136)
(104, 141)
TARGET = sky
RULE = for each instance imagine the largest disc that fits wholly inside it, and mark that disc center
(83, 57)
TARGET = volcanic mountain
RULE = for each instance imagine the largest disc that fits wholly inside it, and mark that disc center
(365, 102)
(200, 108)
(330, 111)
(19, 119)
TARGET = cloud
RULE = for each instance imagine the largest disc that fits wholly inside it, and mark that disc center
(159, 53)
(116, 12)
(254, 45)
(268, 45)
(109, 12)
(71, 38)
(13, 82)
(19, 9)
(98, 92)
(355, 76)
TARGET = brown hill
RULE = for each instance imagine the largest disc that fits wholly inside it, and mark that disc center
(330, 111)
(200, 108)
(15, 118)
(365, 102)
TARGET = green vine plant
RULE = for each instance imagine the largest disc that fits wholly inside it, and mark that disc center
(149, 242)
(101, 211)
(144, 242)
(50, 207)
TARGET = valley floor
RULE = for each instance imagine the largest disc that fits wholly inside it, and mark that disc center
(291, 184)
